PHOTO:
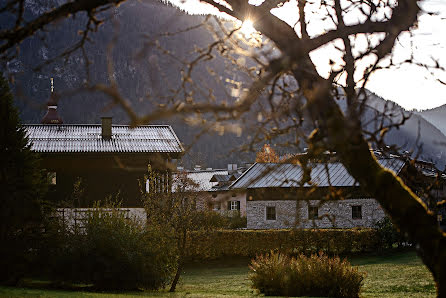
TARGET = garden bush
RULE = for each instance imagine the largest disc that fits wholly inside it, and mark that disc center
(316, 275)
(237, 222)
(389, 237)
(114, 252)
(249, 243)
(216, 220)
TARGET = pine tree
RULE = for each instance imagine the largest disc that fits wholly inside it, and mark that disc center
(22, 185)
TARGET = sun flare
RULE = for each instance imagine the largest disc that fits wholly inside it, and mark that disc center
(247, 28)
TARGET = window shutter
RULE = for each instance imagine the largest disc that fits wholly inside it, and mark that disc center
(229, 205)
(238, 205)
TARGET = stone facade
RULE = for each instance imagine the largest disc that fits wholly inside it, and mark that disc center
(349, 213)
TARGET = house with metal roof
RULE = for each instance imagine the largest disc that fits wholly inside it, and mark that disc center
(102, 159)
(211, 189)
(281, 195)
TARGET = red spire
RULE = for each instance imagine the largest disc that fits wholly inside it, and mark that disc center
(52, 117)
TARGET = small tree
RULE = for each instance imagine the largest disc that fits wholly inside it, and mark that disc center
(22, 188)
(266, 155)
(175, 212)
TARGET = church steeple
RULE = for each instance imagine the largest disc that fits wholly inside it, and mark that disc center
(52, 117)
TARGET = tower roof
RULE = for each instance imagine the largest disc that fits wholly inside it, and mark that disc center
(51, 116)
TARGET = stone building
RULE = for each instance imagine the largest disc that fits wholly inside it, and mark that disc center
(277, 198)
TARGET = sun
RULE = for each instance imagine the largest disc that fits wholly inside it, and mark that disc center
(247, 28)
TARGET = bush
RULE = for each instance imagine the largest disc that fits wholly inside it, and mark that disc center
(249, 243)
(389, 237)
(317, 275)
(215, 220)
(237, 222)
(115, 252)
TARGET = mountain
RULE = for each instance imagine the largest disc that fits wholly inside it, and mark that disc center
(144, 72)
(417, 135)
(147, 66)
(436, 116)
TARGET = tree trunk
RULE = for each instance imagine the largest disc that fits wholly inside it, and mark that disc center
(181, 249)
(400, 203)
(177, 276)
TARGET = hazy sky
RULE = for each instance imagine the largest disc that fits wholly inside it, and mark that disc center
(410, 86)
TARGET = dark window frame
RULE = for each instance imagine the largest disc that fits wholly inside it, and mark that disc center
(357, 212)
(271, 213)
(233, 205)
(313, 212)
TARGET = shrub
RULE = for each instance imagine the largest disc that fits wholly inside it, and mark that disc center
(249, 243)
(115, 252)
(317, 275)
(215, 220)
(237, 222)
(388, 235)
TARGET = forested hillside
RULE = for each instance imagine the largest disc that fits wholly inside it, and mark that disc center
(437, 117)
(147, 75)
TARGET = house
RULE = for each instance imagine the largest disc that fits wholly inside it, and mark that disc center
(87, 163)
(276, 197)
(212, 189)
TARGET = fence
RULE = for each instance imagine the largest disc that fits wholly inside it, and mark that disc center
(74, 218)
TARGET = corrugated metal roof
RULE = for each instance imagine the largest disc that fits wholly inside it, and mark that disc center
(221, 178)
(87, 139)
(262, 175)
(202, 178)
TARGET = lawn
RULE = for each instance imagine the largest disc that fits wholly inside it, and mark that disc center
(394, 275)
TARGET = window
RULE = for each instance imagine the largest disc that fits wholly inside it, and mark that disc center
(270, 213)
(234, 205)
(356, 212)
(313, 212)
(217, 206)
(52, 178)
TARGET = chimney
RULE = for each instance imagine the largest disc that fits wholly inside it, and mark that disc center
(232, 168)
(106, 128)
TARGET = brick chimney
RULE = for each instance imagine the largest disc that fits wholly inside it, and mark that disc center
(106, 128)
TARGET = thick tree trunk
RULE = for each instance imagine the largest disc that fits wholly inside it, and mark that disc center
(407, 211)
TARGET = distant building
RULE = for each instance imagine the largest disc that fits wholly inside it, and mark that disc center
(276, 198)
(107, 159)
(212, 190)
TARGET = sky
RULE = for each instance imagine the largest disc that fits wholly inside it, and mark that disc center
(410, 86)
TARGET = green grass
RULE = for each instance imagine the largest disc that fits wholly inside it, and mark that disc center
(394, 275)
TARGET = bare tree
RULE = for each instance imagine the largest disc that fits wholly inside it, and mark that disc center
(288, 88)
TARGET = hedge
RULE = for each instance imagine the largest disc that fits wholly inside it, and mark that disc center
(249, 243)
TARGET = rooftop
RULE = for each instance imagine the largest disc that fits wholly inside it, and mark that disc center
(88, 139)
(201, 178)
(262, 175)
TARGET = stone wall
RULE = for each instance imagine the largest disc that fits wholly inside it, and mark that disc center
(332, 214)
